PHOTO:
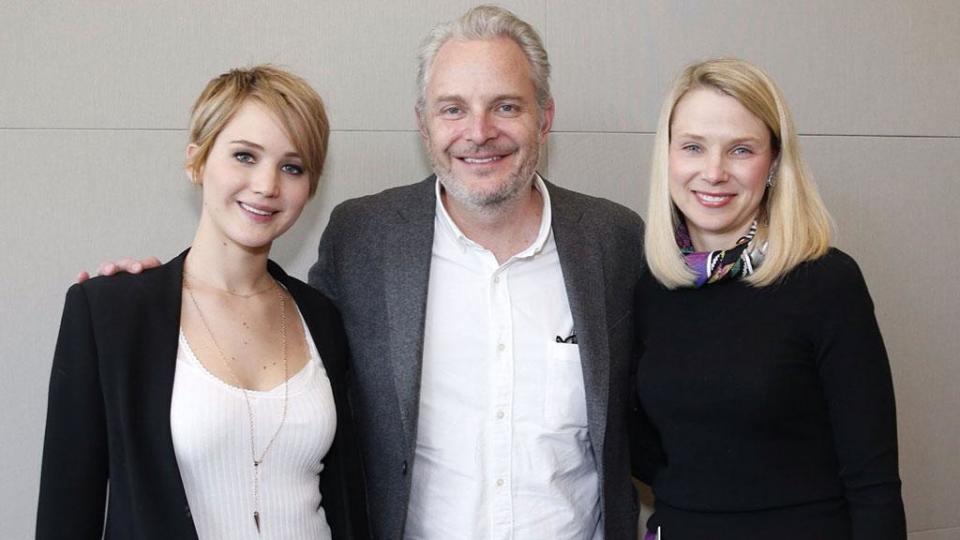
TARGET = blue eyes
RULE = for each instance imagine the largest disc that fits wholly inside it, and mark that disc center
(455, 111)
(249, 159)
(292, 169)
(244, 157)
(739, 151)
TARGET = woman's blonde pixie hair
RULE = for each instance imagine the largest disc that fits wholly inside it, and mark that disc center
(295, 104)
(792, 219)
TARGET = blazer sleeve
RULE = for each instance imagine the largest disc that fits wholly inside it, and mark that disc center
(858, 388)
(74, 470)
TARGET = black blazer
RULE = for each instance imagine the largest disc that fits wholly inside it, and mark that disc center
(109, 413)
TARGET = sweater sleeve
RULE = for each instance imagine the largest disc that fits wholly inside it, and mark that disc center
(74, 470)
(858, 389)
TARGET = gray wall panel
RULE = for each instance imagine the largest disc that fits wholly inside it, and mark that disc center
(857, 66)
(603, 76)
(952, 533)
(610, 165)
(613, 60)
(140, 65)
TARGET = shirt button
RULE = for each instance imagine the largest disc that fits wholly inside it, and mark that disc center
(496, 279)
(499, 482)
(501, 347)
(403, 468)
(499, 415)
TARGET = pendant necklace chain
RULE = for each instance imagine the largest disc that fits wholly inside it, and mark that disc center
(257, 461)
(231, 292)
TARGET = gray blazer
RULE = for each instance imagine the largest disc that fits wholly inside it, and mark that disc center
(374, 263)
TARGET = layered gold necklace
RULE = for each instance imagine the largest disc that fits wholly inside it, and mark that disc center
(257, 460)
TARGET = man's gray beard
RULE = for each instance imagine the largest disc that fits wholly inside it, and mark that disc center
(488, 202)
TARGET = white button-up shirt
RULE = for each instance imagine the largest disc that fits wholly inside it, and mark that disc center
(502, 445)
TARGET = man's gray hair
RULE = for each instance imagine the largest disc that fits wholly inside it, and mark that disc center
(481, 23)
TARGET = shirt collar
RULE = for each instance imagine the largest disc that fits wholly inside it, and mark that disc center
(546, 217)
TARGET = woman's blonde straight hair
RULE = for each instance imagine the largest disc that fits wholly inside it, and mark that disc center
(792, 220)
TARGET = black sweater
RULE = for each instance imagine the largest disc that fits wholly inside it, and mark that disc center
(769, 411)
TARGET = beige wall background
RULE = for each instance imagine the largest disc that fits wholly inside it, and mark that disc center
(94, 97)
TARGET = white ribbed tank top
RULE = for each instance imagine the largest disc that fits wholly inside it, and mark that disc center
(211, 440)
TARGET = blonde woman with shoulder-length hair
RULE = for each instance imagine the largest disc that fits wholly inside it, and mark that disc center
(766, 389)
(792, 219)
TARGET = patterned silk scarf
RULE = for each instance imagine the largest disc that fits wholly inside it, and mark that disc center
(711, 266)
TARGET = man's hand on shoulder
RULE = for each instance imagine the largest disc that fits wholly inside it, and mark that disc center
(126, 264)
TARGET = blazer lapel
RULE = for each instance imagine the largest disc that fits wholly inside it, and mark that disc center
(156, 385)
(158, 382)
(409, 248)
(581, 259)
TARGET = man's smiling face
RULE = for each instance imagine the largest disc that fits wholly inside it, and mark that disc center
(481, 122)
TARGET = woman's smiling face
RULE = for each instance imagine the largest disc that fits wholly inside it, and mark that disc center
(719, 158)
(254, 183)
